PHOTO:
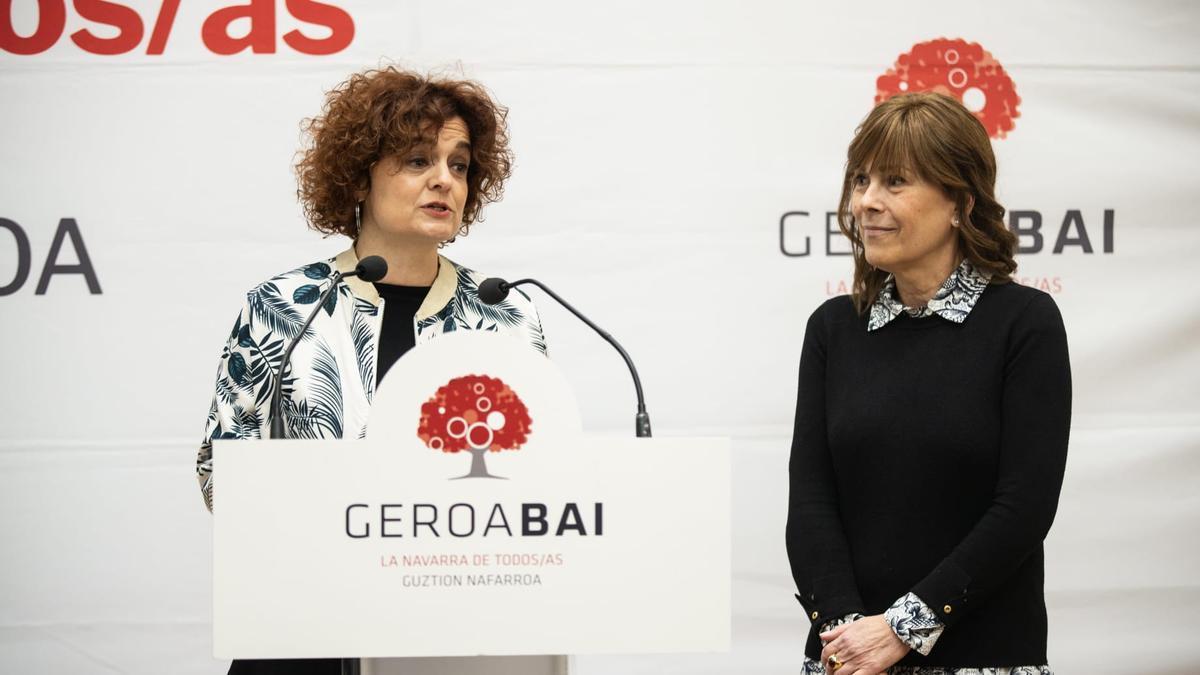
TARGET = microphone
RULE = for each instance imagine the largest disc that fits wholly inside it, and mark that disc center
(371, 268)
(494, 290)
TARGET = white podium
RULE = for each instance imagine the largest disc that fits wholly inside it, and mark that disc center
(474, 520)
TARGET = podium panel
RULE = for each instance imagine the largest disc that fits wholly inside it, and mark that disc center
(474, 519)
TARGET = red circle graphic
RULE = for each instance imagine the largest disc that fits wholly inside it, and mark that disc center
(452, 420)
(964, 70)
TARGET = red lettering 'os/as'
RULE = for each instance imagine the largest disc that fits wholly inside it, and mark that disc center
(125, 20)
(52, 18)
(336, 19)
(162, 27)
(214, 32)
(260, 38)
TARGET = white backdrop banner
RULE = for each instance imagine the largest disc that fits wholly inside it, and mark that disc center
(676, 165)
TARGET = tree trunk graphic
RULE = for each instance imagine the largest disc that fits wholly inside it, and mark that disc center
(479, 465)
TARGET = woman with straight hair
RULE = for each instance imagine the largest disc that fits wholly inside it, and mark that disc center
(932, 418)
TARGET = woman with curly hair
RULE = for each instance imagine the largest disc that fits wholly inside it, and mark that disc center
(932, 418)
(400, 164)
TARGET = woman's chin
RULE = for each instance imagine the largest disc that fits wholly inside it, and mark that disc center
(421, 234)
(439, 232)
(877, 260)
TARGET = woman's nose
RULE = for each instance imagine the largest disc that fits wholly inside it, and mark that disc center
(439, 178)
(871, 196)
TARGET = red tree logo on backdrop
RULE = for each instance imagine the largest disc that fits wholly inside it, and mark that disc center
(475, 413)
(957, 68)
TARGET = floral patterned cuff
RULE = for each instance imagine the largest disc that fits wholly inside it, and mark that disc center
(914, 623)
(849, 618)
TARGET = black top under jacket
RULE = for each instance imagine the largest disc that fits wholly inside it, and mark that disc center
(928, 457)
(398, 332)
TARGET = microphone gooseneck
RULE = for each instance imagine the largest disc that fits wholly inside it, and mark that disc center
(494, 290)
(371, 268)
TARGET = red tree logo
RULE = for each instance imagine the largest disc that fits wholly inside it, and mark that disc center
(475, 413)
(957, 68)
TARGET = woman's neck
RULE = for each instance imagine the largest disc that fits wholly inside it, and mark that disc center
(916, 286)
(408, 265)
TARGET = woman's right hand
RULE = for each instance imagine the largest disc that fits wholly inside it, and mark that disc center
(865, 647)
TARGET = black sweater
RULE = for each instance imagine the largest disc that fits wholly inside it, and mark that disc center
(928, 457)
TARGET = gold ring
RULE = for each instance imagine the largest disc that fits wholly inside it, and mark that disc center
(835, 662)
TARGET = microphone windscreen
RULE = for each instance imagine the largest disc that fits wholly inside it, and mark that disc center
(371, 268)
(493, 290)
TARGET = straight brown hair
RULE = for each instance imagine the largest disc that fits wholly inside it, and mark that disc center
(934, 137)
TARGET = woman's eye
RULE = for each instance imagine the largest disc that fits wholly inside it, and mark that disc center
(860, 180)
(418, 162)
(459, 167)
(896, 181)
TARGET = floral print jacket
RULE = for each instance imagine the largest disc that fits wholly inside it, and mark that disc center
(330, 379)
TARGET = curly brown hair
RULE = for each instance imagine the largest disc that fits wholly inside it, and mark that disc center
(386, 111)
(938, 139)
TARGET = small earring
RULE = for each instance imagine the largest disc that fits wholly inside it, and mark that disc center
(954, 221)
(358, 216)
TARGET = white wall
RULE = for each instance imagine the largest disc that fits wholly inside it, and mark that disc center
(658, 145)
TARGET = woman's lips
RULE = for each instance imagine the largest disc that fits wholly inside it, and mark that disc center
(878, 231)
(436, 212)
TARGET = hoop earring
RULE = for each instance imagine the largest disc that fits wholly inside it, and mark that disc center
(357, 217)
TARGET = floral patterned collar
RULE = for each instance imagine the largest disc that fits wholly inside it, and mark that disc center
(952, 301)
